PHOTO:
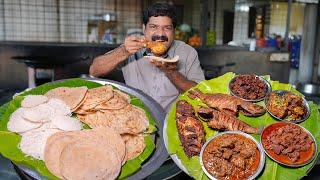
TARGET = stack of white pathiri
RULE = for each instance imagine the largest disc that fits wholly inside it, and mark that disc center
(37, 119)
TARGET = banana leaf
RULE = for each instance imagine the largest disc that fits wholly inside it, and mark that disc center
(9, 141)
(272, 170)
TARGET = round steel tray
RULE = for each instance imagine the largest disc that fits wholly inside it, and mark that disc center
(160, 154)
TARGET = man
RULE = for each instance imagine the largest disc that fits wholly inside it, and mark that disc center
(162, 81)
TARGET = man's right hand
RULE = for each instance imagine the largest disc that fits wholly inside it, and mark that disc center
(132, 44)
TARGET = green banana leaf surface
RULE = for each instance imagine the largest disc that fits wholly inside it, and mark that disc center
(9, 141)
(272, 170)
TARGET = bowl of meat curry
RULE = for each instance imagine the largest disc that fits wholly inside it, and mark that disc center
(289, 144)
(232, 155)
(249, 87)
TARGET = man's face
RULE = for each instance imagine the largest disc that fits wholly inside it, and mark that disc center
(160, 28)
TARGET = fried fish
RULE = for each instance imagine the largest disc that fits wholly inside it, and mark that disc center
(190, 129)
(221, 120)
(228, 103)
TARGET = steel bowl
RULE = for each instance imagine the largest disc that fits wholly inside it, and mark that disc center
(282, 92)
(262, 155)
(286, 164)
(268, 90)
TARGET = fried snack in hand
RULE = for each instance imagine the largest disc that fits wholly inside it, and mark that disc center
(157, 48)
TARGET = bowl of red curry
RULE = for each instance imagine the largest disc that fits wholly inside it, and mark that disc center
(249, 87)
(232, 155)
(289, 144)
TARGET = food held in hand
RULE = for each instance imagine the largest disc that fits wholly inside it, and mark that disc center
(157, 48)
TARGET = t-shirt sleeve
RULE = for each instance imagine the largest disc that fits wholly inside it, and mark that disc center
(193, 68)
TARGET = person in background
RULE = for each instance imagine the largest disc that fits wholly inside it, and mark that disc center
(162, 81)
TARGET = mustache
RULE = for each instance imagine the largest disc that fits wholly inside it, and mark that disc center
(163, 38)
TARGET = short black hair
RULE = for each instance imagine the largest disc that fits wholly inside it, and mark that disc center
(160, 9)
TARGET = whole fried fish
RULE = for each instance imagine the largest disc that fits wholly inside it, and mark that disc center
(221, 120)
(190, 129)
(228, 103)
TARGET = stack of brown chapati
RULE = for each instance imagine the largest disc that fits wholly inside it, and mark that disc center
(106, 107)
(73, 97)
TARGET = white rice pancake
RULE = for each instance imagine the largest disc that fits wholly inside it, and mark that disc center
(33, 142)
(33, 100)
(66, 123)
(59, 106)
(47, 125)
(40, 113)
(18, 124)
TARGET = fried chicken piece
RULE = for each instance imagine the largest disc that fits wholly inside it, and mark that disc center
(157, 48)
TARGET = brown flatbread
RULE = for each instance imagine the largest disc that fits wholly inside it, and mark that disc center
(108, 136)
(99, 137)
(89, 160)
(81, 111)
(123, 95)
(97, 96)
(117, 102)
(80, 104)
(53, 149)
(71, 96)
(134, 145)
(130, 119)
(156, 58)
